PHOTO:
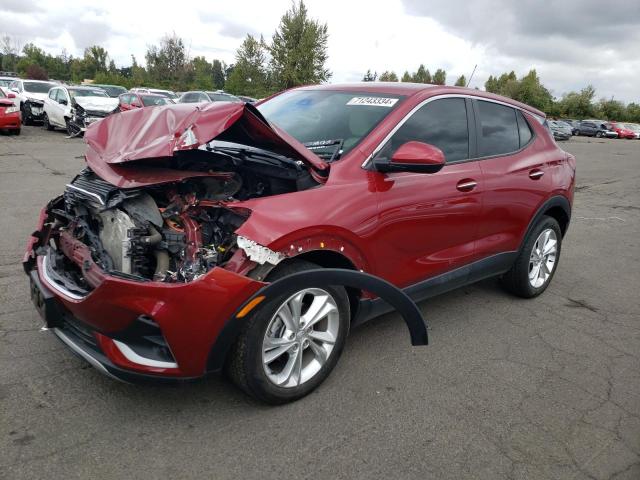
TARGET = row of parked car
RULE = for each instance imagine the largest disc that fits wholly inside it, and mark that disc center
(565, 129)
(75, 107)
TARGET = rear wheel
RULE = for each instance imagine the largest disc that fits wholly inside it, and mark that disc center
(290, 344)
(537, 261)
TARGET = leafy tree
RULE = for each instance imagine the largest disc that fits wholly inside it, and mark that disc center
(370, 77)
(36, 72)
(422, 75)
(388, 76)
(217, 74)
(612, 109)
(167, 63)
(440, 77)
(461, 81)
(530, 90)
(579, 104)
(249, 75)
(299, 49)
(203, 74)
(406, 77)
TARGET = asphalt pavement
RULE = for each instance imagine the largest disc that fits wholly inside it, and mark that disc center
(508, 389)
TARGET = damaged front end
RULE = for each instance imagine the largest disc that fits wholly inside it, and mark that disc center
(81, 118)
(168, 233)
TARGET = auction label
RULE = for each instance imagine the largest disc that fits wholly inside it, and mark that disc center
(373, 101)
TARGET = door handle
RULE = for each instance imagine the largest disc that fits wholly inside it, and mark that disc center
(535, 174)
(466, 185)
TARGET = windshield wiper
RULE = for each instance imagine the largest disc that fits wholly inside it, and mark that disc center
(335, 147)
(263, 155)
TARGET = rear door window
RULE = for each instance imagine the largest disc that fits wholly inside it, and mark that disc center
(442, 123)
(524, 129)
(498, 129)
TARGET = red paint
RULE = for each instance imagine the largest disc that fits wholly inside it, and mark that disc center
(9, 121)
(418, 153)
(403, 227)
(622, 131)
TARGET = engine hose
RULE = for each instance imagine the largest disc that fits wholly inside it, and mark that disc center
(162, 264)
(153, 239)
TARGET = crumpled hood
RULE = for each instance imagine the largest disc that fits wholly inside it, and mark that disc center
(97, 104)
(156, 133)
(35, 96)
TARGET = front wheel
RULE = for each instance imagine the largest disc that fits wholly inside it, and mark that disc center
(598, 134)
(537, 261)
(292, 342)
(45, 123)
(26, 117)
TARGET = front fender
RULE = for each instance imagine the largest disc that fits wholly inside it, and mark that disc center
(318, 278)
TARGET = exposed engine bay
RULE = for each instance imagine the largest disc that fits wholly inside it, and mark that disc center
(171, 232)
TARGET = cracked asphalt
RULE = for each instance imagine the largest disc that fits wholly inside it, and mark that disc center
(508, 389)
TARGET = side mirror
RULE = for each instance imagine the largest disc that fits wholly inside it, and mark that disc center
(15, 90)
(11, 95)
(63, 101)
(416, 157)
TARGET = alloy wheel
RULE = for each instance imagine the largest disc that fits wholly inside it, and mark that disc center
(542, 260)
(300, 337)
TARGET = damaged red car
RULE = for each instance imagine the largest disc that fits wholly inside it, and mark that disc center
(250, 239)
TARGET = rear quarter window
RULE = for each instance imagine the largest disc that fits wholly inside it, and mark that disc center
(524, 130)
(498, 129)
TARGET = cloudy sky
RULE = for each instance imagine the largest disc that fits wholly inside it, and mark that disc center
(569, 42)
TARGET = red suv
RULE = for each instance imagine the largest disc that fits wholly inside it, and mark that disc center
(249, 239)
(133, 100)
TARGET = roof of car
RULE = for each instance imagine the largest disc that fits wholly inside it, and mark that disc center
(409, 89)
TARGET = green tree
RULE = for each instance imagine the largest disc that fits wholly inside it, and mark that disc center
(530, 90)
(299, 49)
(388, 76)
(440, 77)
(406, 77)
(579, 104)
(612, 109)
(461, 81)
(217, 74)
(249, 76)
(422, 75)
(203, 74)
(167, 63)
(370, 77)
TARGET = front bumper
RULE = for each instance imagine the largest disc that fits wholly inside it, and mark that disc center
(190, 316)
(34, 111)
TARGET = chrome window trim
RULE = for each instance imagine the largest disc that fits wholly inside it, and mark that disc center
(365, 164)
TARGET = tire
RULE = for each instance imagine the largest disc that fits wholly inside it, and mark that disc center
(45, 123)
(598, 134)
(518, 280)
(247, 364)
(17, 131)
(26, 119)
(71, 130)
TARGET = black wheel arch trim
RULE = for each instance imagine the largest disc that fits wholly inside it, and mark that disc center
(555, 201)
(398, 299)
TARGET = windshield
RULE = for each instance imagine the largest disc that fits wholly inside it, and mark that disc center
(38, 87)
(329, 123)
(112, 90)
(87, 92)
(222, 97)
(2, 95)
(5, 82)
(151, 100)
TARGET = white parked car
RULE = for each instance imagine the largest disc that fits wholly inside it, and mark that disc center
(156, 91)
(30, 95)
(75, 108)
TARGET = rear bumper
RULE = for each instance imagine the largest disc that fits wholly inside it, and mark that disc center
(188, 317)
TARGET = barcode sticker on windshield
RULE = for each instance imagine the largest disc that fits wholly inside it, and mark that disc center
(373, 101)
